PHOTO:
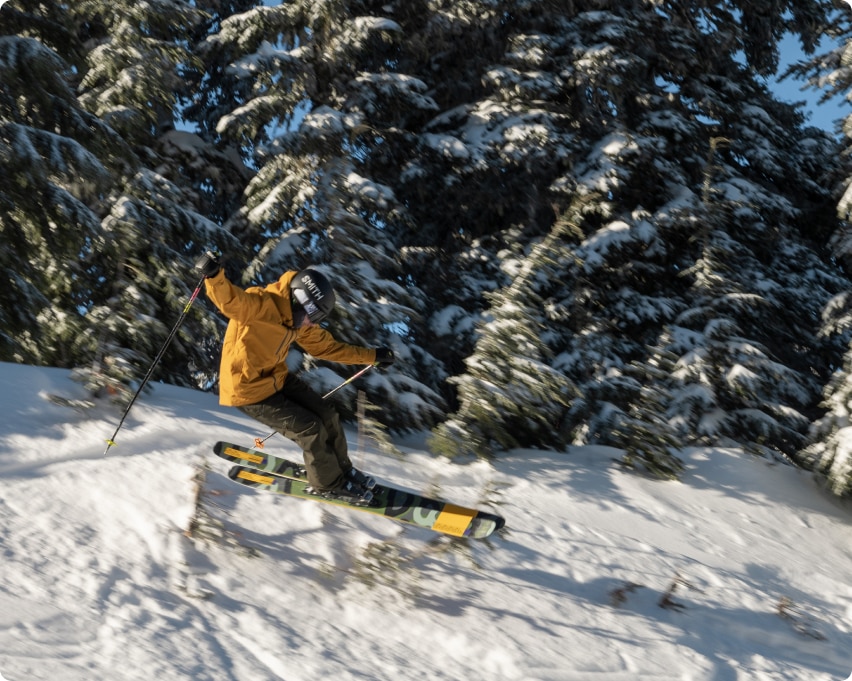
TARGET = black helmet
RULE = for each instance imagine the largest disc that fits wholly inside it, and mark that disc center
(313, 292)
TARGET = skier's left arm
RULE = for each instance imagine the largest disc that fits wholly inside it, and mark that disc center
(322, 345)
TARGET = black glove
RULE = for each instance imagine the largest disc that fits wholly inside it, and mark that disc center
(384, 357)
(209, 264)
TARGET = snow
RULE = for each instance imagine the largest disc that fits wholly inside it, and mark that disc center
(251, 65)
(377, 194)
(64, 156)
(742, 571)
(447, 146)
(326, 122)
(241, 112)
(376, 24)
(495, 127)
(408, 90)
(267, 208)
(609, 237)
(453, 319)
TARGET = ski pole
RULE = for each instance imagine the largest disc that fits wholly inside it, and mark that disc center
(258, 443)
(111, 441)
(349, 380)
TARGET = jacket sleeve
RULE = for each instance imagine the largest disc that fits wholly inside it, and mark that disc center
(232, 301)
(322, 345)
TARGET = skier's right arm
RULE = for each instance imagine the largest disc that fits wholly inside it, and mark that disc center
(232, 301)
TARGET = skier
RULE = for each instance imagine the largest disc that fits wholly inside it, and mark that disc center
(263, 323)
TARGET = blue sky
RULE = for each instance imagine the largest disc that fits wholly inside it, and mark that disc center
(821, 115)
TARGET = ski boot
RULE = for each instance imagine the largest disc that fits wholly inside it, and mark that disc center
(350, 492)
(362, 479)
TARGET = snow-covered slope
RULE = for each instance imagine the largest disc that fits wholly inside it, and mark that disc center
(743, 571)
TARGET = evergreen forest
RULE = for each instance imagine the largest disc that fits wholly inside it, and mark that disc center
(574, 221)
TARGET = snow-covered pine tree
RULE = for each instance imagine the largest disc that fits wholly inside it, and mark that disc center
(645, 150)
(136, 56)
(510, 395)
(610, 299)
(58, 161)
(758, 284)
(474, 173)
(317, 97)
(154, 227)
(643, 429)
(828, 451)
(621, 101)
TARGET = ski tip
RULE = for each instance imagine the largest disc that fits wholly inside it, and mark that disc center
(492, 525)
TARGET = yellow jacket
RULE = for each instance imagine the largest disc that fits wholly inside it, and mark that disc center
(259, 335)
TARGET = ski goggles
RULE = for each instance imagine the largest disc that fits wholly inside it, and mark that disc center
(311, 309)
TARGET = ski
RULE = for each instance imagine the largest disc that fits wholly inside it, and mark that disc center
(277, 475)
(255, 458)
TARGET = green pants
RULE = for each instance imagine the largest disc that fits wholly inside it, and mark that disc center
(301, 415)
